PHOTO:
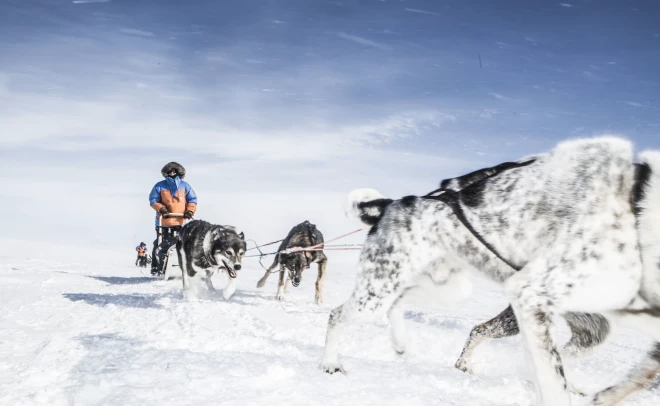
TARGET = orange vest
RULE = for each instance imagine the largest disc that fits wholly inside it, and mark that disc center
(174, 204)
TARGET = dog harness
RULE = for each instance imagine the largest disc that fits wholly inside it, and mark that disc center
(453, 200)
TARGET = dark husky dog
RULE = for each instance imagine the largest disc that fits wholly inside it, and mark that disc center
(204, 248)
(303, 235)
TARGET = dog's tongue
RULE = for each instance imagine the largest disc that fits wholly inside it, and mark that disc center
(229, 269)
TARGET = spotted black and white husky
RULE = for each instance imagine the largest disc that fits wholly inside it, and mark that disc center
(566, 221)
(588, 331)
(204, 249)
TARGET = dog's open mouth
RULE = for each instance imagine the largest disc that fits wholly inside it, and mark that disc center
(295, 284)
(230, 270)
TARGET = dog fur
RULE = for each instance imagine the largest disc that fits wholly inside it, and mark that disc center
(204, 249)
(588, 331)
(565, 220)
(293, 264)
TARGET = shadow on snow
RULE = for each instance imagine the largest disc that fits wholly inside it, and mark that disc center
(139, 301)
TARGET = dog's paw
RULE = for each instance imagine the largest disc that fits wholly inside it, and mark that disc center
(261, 283)
(279, 297)
(463, 366)
(190, 295)
(228, 293)
(332, 368)
(400, 350)
(318, 300)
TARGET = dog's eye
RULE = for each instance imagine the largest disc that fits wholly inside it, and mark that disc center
(230, 253)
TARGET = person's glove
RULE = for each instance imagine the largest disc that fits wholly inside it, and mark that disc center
(163, 211)
(188, 215)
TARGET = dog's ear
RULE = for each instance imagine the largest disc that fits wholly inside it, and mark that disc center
(211, 236)
(216, 233)
(242, 235)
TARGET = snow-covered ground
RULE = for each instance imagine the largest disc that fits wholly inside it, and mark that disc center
(83, 327)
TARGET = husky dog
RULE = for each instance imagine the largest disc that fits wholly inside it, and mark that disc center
(204, 248)
(566, 221)
(303, 235)
(588, 331)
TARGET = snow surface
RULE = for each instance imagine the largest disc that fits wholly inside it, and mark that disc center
(80, 326)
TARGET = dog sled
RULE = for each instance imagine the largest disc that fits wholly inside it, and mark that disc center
(143, 261)
(171, 266)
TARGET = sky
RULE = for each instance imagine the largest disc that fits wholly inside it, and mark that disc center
(279, 108)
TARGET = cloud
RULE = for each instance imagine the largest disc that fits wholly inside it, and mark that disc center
(498, 96)
(364, 41)
(634, 104)
(397, 127)
(416, 10)
(97, 125)
(90, 1)
(133, 31)
(488, 113)
(566, 5)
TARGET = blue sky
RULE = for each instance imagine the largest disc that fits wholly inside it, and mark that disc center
(296, 102)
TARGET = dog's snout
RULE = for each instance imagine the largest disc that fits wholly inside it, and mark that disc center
(296, 280)
(237, 267)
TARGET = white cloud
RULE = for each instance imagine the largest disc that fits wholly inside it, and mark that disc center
(90, 1)
(566, 5)
(396, 127)
(100, 125)
(498, 96)
(488, 113)
(133, 31)
(418, 11)
(634, 104)
(364, 41)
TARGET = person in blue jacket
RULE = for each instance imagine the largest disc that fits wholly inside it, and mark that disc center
(172, 195)
(141, 255)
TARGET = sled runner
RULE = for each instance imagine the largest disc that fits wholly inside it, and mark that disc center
(166, 246)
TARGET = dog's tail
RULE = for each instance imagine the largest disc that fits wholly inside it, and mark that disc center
(366, 206)
(646, 198)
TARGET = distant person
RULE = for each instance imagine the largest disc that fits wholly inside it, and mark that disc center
(174, 201)
(141, 255)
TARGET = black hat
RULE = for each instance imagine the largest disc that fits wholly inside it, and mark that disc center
(173, 166)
